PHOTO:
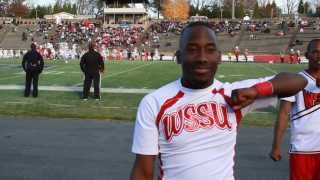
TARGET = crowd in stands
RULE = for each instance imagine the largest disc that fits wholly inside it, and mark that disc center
(64, 51)
(10, 53)
(69, 40)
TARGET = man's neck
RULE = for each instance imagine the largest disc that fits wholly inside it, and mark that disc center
(194, 85)
(316, 75)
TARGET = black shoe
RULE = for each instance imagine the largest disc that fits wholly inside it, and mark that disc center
(26, 95)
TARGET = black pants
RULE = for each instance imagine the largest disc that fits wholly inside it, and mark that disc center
(31, 77)
(87, 84)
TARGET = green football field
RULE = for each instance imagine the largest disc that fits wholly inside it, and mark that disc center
(119, 74)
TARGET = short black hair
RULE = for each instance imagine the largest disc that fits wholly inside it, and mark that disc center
(311, 44)
(91, 45)
(33, 46)
(196, 23)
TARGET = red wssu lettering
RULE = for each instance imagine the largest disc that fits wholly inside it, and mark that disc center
(192, 117)
(311, 99)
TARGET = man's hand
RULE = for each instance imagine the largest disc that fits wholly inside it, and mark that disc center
(275, 154)
(241, 98)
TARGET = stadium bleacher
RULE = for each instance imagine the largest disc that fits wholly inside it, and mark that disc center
(162, 36)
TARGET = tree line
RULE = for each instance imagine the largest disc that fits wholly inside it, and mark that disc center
(18, 8)
(171, 9)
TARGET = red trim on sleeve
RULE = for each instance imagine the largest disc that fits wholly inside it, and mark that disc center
(238, 113)
(264, 88)
(167, 104)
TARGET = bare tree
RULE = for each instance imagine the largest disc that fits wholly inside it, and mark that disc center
(199, 4)
(315, 3)
(87, 6)
(263, 3)
(291, 6)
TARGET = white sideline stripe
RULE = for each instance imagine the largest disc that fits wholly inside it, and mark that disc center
(104, 107)
(79, 89)
(16, 102)
(66, 105)
(61, 105)
(268, 69)
(11, 77)
(116, 107)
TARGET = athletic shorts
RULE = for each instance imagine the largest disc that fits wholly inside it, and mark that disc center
(304, 166)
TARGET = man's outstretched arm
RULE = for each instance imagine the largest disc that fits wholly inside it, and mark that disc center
(143, 167)
(282, 85)
(279, 129)
(287, 84)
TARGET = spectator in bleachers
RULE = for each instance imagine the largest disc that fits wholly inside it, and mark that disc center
(298, 54)
(245, 54)
(237, 53)
(291, 56)
(1, 53)
(281, 57)
(229, 56)
(24, 36)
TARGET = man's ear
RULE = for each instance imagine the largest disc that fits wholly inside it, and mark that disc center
(178, 56)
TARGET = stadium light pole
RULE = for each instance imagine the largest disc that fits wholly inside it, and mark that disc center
(221, 10)
(159, 8)
(233, 16)
(174, 10)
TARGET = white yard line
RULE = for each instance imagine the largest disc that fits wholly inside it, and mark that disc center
(267, 68)
(118, 73)
(232, 75)
(129, 70)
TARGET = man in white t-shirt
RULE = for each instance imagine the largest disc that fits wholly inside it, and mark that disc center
(304, 110)
(191, 124)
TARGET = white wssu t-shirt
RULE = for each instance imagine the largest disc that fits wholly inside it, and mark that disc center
(305, 118)
(192, 131)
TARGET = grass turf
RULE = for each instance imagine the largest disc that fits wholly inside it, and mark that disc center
(119, 74)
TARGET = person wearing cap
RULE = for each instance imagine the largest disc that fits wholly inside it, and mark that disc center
(92, 66)
(32, 64)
